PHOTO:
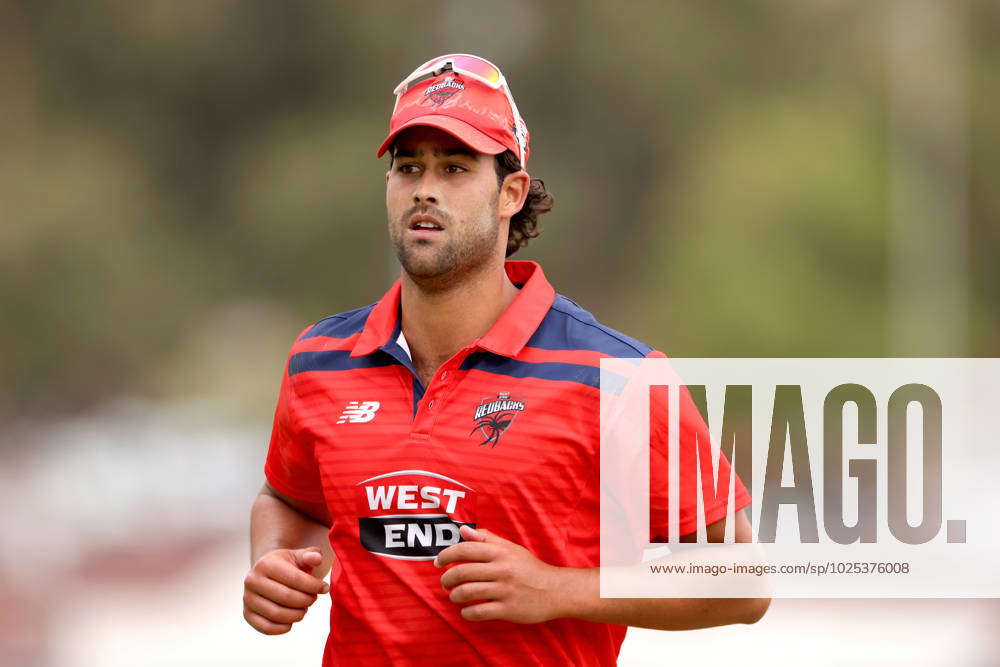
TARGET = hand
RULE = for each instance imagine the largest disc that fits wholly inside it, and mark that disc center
(280, 588)
(503, 579)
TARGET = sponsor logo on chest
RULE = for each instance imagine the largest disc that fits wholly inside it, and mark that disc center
(412, 514)
(359, 412)
(493, 416)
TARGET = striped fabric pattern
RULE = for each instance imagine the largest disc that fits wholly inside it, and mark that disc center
(505, 437)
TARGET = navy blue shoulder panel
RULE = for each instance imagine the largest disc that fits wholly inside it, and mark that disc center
(494, 363)
(335, 360)
(341, 325)
(567, 326)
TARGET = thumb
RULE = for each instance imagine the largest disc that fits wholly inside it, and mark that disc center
(307, 559)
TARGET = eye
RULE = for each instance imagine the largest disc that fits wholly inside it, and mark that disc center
(407, 168)
(455, 169)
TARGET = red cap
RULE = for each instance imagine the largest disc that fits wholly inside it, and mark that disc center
(470, 110)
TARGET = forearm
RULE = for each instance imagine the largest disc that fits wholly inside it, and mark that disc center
(579, 597)
(580, 588)
(276, 525)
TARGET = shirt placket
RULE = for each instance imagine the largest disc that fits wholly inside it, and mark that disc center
(435, 395)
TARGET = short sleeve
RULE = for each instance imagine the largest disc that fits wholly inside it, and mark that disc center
(696, 468)
(290, 466)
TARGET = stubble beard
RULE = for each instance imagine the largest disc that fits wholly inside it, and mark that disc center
(468, 248)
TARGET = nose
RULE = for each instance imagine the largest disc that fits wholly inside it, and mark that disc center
(426, 191)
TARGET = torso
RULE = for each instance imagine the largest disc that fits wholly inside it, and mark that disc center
(503, 435)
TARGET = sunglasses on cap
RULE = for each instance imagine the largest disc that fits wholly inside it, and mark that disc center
(477, 68)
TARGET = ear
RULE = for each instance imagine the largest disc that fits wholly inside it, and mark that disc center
(513, 192)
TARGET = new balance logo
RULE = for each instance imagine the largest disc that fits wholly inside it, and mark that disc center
(359, 412)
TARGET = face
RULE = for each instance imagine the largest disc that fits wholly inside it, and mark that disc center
(444, 206)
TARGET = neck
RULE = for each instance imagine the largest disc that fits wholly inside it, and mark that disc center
(439, 321)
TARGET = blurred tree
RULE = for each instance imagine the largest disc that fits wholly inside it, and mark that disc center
(178, 173)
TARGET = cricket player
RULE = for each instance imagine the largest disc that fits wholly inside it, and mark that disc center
(439, 448)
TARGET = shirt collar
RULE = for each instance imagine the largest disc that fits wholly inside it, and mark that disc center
(507, 335)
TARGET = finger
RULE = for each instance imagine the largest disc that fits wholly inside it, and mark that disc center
(471, 534)
(279, 593)
(261, 624)
(484, 611)
(471, 551)
(468, 572)
(476, 590)
(271, 611)
(285, 573)
(482, 535)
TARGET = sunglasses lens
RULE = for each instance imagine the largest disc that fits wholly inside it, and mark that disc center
(471, 64)
(478, 67)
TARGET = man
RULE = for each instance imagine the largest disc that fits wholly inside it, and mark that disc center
(439, 448)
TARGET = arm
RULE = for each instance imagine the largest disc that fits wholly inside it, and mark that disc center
(290, 555)
(582, 593)
(508, 582)
(280, 522)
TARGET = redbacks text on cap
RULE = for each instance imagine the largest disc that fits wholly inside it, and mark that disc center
(467, 97)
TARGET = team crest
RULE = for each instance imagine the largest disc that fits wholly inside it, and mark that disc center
(440, 92)
(493, 416)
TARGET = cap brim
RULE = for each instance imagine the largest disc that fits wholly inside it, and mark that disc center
(459, 129)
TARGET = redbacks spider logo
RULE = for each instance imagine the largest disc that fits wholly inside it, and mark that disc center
(493, 416)
(440, 92)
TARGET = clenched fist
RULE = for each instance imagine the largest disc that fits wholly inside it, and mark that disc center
(280, 588)
(501, 579)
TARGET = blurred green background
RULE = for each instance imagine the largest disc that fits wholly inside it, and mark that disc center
(184, 185)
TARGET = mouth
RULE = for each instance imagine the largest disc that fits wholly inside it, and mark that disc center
(424, 223)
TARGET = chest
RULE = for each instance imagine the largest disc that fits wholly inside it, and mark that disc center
(489, 448)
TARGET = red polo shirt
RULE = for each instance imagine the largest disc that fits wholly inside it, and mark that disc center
(505, 437)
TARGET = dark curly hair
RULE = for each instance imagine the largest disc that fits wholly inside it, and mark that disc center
(524, 223)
